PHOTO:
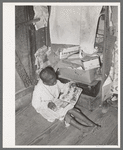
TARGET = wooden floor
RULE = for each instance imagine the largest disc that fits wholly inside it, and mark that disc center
(41, 132)
(60, 135)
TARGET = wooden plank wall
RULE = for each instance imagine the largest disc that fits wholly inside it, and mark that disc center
(28, 41)
(22, 44)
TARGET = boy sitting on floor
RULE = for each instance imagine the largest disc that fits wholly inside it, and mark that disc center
(48, 89)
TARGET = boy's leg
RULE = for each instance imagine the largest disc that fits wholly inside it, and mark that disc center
(72, 121)
(83, 117)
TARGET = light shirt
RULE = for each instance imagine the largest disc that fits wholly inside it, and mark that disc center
(43, 94)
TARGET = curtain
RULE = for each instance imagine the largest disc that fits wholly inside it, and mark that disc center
(74, 25)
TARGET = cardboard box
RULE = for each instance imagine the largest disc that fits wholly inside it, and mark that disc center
(84, 76)
(66, 52)
(88, 102)
(86, 63)
(67, 64)
(90, 63)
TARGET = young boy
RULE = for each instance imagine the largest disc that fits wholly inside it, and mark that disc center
(48, 89)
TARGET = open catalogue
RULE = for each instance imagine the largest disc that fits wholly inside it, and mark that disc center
(68, 98)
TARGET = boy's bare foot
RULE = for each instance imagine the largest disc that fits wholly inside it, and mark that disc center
(89, 130)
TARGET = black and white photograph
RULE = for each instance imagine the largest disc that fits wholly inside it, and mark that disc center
(66, 71)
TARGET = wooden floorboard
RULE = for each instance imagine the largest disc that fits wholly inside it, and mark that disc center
(65, 132)
(49, 135)
(108, 122)
(76, 135)
(112, 139)
(31, 129)
(73, 136)
(55, 134)
(29, 125)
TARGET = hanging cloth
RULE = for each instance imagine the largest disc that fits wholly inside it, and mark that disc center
(74, 25)
(88, 23)
(65, 24)
(42, 13)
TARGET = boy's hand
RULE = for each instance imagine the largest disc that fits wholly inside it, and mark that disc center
(51, 105)
(73, 85)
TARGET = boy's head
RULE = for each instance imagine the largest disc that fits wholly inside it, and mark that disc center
(48, 76)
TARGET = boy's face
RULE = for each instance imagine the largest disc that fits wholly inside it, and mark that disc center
(51, 79)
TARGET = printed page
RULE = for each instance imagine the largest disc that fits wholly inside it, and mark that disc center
(69, 98)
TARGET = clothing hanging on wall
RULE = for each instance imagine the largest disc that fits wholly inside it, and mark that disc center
(114, 87)
(42, 13)
(41, 60)
(74, 25)
(110, 85)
